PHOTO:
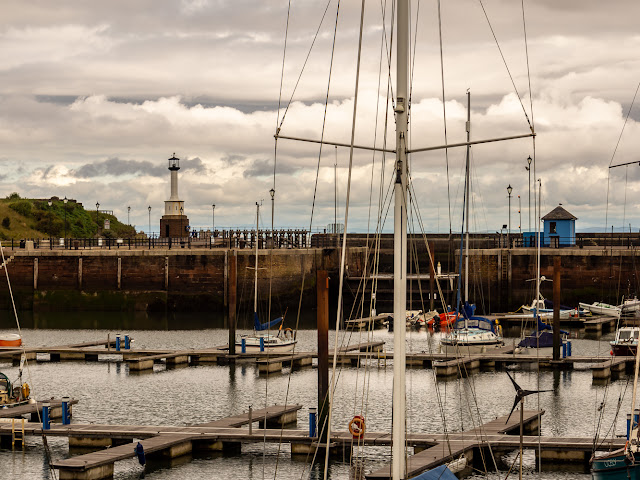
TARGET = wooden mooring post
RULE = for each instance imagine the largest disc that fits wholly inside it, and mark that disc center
(322, 286)
(556, 308)
(232, 290)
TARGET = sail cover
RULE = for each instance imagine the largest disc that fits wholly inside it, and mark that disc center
(438, 473)
(264, 326)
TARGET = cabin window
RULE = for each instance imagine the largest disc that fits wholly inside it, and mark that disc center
(552, 227)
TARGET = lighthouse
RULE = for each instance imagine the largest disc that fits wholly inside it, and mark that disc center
(174, 223)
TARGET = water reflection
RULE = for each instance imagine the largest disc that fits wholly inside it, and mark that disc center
(110, 393)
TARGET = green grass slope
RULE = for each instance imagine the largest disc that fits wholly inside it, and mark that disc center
(33, 218)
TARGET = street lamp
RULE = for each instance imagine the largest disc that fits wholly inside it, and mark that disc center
(128, 212)
(149, 220)
(213, 219)
(272, 192)
(50, 239)
(509, 190)
(65, 221)
(529, 170)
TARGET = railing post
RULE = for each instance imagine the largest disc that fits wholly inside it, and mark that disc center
(46, 423)
(66, 412)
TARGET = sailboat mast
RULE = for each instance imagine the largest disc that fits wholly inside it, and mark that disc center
(335, 193)
(537, 309)
(255, 279)
(398, 468)
(467, 201)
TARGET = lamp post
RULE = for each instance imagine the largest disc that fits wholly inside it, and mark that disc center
(128, 215)
(149, 208)
(509, 190)
(529, 170)
(65, 221)
(213, 219)
(50, 239)
(272, 192)
(97, 217)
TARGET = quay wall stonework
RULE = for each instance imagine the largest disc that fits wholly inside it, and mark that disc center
(175, 280)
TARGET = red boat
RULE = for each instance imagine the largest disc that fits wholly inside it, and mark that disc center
(445, 319)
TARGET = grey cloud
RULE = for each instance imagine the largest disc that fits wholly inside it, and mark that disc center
(259, 168)
(119, 167)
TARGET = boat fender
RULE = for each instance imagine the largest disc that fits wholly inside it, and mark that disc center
(25, 391)
(611, 352)
(357, 426)
(140, 454)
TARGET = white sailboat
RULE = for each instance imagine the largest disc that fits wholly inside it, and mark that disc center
(262, 340)
(600, 308)
(470, 334)
(399, 447)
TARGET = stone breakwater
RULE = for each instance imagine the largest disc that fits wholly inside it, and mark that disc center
(156, 280)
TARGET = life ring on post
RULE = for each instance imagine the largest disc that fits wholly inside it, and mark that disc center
(357, 426)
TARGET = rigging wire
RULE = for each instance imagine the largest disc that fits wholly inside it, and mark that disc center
(344, 238)
(324, 116)
(444, 113)
(45, 444)
(606, 215)
(506, 66)
(303, 66)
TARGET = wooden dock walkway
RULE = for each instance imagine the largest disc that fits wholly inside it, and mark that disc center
(171, 442)
(302, 359)
(33, 409)
(603, 367)
(225, 435)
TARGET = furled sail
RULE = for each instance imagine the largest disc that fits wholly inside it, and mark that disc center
(264, 326)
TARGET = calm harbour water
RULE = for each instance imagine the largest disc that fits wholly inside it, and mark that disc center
(108, 393)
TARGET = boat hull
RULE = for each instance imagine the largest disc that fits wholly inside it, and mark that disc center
(10, 340)
(601, 309)
(251, 347)
(469, 348)
(624, 350)
(615, 465)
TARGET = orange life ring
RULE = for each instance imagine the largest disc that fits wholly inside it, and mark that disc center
(288, 333)
(357, 426)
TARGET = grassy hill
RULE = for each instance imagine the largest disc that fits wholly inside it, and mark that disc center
(34, 218)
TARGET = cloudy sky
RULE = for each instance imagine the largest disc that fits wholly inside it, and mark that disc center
(95, 96)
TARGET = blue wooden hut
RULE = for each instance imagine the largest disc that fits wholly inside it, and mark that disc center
(559, 228)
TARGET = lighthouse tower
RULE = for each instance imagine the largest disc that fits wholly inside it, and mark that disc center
(174, 223)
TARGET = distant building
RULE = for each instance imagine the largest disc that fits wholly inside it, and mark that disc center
(174, 223)
(559, 228)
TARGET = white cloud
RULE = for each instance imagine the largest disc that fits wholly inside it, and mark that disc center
(138, 81)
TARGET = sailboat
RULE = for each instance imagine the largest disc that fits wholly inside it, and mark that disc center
(544, 308)
(401, 105)
(623, 463)
(540, 340)
(262, 340)
(470, 334)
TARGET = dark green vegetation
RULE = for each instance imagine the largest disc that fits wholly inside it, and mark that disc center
(34, 218)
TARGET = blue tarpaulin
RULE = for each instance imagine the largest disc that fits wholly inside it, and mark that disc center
(438, 473)
(263, 326)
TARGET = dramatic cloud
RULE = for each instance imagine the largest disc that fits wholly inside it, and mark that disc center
(94, 98)
(117, 167)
